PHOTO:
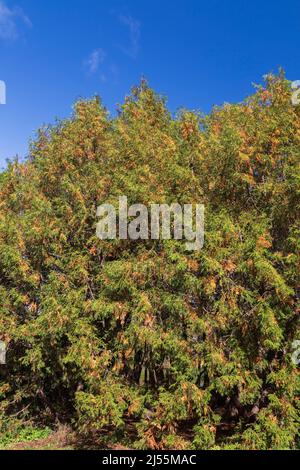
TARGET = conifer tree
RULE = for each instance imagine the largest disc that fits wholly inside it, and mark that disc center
(193, 349)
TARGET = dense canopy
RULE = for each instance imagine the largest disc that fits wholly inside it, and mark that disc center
(143, 341)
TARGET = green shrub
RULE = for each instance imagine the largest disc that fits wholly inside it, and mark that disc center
(189, 349)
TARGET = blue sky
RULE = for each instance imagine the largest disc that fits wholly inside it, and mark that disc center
(198, 53)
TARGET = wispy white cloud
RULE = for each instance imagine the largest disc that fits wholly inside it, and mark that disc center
(134, 27)
(95, 60)
(103, 67)
(10, 18)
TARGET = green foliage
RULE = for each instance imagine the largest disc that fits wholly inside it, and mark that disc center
(190, 350)
(13, 431)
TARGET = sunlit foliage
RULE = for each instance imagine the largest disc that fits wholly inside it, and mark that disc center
(189, 350)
